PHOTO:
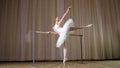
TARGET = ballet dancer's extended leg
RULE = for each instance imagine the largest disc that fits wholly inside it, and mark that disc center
(81, 27)
(64, 54)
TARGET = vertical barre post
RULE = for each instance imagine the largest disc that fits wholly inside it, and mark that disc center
(80, 36)
(81, 48)
(33, 48)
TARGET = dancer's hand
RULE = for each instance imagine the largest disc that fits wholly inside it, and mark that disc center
(69, 7)
(49, 32)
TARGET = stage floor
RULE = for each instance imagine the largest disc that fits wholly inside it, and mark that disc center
(69, 64)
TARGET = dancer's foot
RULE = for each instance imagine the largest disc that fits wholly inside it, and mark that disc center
(90, 25)
(64, 60)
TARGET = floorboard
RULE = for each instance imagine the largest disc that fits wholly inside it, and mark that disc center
(69, 64)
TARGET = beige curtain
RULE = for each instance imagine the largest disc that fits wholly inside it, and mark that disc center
(18, 18)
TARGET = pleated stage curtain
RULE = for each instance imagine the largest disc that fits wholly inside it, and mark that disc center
(19, 18)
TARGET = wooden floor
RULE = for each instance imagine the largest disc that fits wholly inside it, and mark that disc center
(70, 64)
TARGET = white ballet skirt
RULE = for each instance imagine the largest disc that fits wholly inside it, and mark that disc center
(62, 31)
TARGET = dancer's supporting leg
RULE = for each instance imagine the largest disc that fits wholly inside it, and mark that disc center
(64, 54)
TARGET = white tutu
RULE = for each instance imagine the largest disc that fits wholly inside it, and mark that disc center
(62, 31)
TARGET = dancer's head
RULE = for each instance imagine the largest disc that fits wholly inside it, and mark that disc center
(57, 19)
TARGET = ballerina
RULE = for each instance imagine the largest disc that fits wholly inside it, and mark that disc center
(63, 31)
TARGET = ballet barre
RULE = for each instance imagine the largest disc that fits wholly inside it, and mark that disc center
(33, 44)
(80, 36)
(40, 32)
(33, 48)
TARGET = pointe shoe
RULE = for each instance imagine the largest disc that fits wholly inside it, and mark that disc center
(90, 25)
(64, 60)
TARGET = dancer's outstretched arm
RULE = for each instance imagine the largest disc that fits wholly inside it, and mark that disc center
(48, 32)
(81, 27)
(52, 32)
(68, 9)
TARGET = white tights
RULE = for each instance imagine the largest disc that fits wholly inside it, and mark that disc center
(64, 54)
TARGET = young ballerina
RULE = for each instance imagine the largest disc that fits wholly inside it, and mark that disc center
(63, 31)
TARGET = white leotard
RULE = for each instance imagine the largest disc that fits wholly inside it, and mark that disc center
(57, 28)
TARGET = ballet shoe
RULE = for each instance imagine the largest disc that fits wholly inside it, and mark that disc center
(64, 60)
(90, 25)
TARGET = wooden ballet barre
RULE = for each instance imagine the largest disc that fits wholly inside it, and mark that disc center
(75, 35)
(80, 36)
